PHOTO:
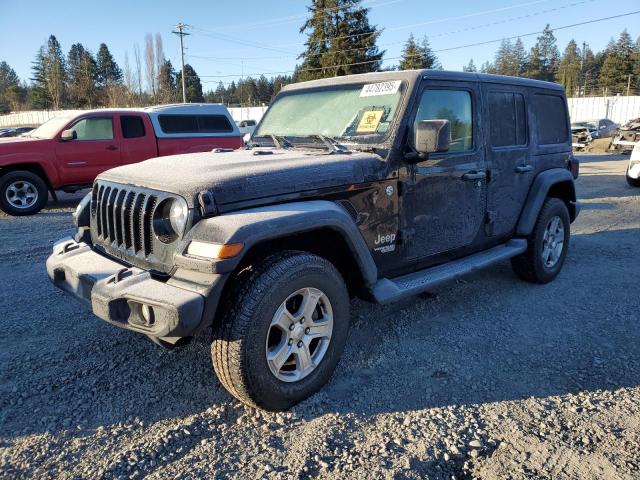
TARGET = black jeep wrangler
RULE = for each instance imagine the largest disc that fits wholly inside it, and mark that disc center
(380, 186)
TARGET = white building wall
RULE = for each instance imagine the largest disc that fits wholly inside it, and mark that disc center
(619, 109)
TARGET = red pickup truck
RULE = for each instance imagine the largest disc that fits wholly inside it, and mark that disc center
(68, 152)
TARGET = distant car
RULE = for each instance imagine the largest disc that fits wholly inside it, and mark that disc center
(633, 171)
(246, 128)
(14, 131)
(600, 128)
(627, 137)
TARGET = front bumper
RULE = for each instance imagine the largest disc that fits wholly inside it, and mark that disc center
(117, 293)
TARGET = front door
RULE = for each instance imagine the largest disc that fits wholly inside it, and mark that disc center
(444, 204)
(95, 149)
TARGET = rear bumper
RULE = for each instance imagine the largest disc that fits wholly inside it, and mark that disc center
(116, 293)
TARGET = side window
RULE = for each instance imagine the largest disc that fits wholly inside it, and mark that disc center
(214, 124)
(452, 105)
(132, 127)
(94, 129)
(508, 121)
(551, 119)
(195, 124)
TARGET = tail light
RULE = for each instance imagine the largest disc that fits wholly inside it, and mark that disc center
(573, 165)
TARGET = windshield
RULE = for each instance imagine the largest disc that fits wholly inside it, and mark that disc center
(51, 127)
(357, 113)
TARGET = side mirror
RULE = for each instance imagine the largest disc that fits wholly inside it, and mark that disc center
(432, 136)
(68, 135)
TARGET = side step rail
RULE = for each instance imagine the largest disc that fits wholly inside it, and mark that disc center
(389, 290)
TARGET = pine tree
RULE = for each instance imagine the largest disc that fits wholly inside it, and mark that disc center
(418, 56)
(39, 95)
(341, 41)
(11, 92)
(618, 65)
(470, 67)
(108, 71)
(264, 90)
(544, 57)
(193, 85)
(518, 59)
(167, 87)
(569, 68)
(81, 77)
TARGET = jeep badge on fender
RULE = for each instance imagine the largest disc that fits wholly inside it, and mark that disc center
(382, 186)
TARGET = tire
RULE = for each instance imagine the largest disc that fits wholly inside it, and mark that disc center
(530, 266)
(22, 187)
(244, 333)
(634, 182)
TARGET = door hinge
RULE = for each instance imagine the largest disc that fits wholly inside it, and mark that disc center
(489, 222)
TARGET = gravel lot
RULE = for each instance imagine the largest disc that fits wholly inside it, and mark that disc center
(488, 377)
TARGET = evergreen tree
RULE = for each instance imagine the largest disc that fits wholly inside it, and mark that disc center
(81, 77)
(193, 85)
(470, 67)
(619, 65)
(11, 92)
(49, 76)
(418, 56)
(341, 41)
(544, 57)
(518, 59)
(167, 87)
(108, 71)
(264, 90)
(569, 68)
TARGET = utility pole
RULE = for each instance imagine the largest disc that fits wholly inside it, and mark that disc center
(181, 33)
(584, 48)
(629, 85)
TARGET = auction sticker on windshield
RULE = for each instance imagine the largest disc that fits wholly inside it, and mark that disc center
(381, 88)
(369, 121)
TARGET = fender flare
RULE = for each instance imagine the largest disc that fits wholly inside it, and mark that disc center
(538, 193)
(256, 225)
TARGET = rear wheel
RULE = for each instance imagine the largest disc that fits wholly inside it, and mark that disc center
(282, 330)
(22, 193)
(547, 244)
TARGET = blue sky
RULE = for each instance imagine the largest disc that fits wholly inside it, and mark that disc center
(253, 36)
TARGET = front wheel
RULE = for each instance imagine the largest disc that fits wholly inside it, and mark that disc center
(22, 193)
(282, 330)
(547, 244)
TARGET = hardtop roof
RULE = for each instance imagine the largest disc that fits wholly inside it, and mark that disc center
(414, 75)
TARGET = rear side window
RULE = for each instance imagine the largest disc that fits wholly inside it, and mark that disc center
(551, 119)
(132, 127)
(195, 124)
(507, 116)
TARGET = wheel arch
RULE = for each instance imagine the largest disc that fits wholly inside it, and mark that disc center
(557, 183)
(320, 227)
(33, 167)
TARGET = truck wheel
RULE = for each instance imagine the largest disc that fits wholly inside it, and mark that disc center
(548, 244)
(634, 182)
(22, 193)
(282, 330)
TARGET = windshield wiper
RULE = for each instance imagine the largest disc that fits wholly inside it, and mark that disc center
(278, 141)
(332, 144)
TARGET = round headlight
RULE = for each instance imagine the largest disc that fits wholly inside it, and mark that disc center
(169, 219)
(178, 215)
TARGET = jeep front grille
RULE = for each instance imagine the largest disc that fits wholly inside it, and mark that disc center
(123, 218)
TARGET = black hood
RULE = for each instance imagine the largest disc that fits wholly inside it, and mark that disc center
(245, 174)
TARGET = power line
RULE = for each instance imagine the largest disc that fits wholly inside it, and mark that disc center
(452, 32)
(588, 22)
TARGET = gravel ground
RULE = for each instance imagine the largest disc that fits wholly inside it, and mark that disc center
(487, 377)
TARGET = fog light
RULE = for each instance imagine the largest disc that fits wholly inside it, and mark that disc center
(147, 314)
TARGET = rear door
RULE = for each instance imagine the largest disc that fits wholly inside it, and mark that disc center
(95, 149)
(509, 160)
(138, 139)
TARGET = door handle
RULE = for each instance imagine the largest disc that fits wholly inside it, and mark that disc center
(473, 176)
(524, 168)
(112, 147)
